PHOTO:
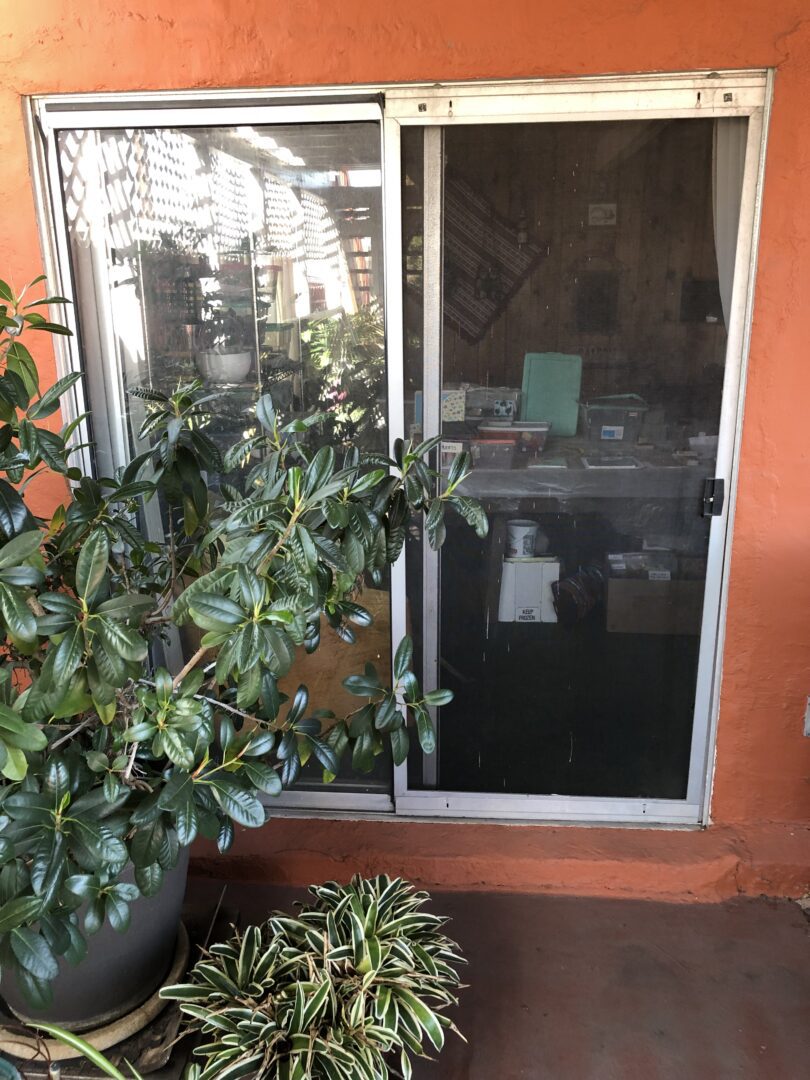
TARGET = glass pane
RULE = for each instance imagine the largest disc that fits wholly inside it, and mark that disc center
(249, 258)
(585, 295)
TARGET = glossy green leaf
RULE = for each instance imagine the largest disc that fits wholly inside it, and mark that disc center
(434, 524)
(388, 716)
(120, 640)
(149, 879)
(14, 762)
(367, 685)
(426, 731)
(146, 843)
(238, 803)
(68, 654)
(18, 912)
(363, 753)
(439, 697)
(33, 953)
(95, 846)
(325, 755)
(262, 776)
(176, 749)
(49, 402)
(214, 612)
(178, 798)
(19, 618)
(265, 413)
(403, 658)
(472, 512)
(400, 745)
(17, 732)
(118, 912)
(20, 548)
(91, 566)
(318, 471)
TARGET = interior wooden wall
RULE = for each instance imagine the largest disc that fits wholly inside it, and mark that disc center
(659, 175)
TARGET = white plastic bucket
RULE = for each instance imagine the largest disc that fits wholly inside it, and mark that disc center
(521, 536)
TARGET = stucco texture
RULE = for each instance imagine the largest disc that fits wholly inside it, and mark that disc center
(762, 789)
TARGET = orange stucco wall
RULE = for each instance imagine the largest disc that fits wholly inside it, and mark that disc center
(762, 788)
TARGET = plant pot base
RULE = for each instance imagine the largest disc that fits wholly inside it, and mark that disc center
(102, 1038)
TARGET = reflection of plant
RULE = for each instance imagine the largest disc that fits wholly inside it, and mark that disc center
(349, 353)
(223, 331)
(359, 975)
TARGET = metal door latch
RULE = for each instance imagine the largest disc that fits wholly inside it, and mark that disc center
(714, 495)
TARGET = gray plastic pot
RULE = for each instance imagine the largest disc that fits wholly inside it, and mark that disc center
(120, 971)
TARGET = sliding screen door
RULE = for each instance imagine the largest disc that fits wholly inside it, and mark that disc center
(569, 291)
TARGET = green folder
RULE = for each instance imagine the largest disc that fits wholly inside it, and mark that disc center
(551, 388)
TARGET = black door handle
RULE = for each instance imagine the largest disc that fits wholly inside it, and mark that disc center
(714, 496)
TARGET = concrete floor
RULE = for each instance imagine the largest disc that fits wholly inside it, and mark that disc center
(565, 988)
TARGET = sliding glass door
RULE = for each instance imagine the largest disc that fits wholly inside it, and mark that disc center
(554, 278)
(569, 292)
(245, 258)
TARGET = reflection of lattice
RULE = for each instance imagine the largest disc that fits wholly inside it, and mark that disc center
(71, 152)
(321, 238)
(284, 219)
(141, 184)
(99, 172)
(119, 153)
(326, 262)
(230, 200)
(170, 186)
(174, 184)
(302, 228)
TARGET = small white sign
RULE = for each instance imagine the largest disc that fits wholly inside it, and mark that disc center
(528, 614)
(659, 575)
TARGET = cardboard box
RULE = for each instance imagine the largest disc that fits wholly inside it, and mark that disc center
(526, 595)
(641, 606)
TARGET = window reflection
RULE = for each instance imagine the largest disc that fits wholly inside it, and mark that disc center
(249, 258)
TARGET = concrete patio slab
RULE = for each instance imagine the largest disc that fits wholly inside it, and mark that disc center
(568, 988)
(576, 989)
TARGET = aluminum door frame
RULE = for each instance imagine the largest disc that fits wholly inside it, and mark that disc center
(718, 94)
(46, 117)
(684, 94)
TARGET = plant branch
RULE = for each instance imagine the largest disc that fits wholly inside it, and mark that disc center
(190, 665)
(131, 763)
(74, 731)
(285, 536)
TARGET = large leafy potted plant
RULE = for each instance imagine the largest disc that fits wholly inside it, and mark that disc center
(112, 764)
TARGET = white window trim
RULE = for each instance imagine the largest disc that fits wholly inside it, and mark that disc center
(728, 93)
